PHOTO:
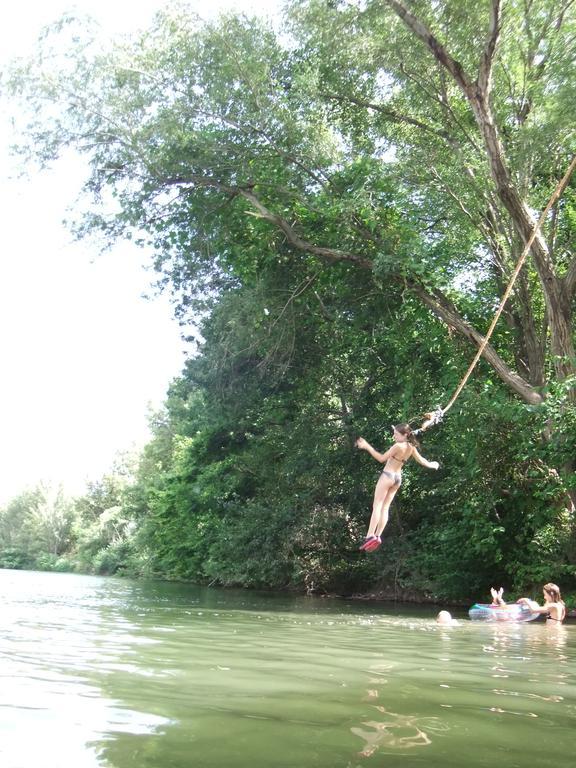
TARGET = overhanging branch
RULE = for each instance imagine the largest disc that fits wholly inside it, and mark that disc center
(446, 311)
(434, 300)
(389, 114)
(263, 212)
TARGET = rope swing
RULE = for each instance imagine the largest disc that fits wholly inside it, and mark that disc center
(436, 416)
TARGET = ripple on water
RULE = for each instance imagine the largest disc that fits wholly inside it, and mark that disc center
(114, 673)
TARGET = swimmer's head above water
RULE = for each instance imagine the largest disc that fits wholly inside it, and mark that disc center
(445, 618)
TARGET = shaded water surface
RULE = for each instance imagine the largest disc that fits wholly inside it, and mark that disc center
(114, 673)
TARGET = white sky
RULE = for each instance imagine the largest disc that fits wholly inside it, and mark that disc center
(83, 356)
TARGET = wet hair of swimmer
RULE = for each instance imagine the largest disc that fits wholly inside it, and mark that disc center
(554, 592)
(406, 430)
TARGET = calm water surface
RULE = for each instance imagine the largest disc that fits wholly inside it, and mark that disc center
(114, 673)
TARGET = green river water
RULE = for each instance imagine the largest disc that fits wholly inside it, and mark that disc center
(125, 674)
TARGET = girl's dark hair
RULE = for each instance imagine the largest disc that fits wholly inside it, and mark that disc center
(406, 430)
(554, 591)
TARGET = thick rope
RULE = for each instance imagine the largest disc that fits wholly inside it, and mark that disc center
(435, 417)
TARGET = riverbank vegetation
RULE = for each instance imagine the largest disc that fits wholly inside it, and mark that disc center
(337, 208)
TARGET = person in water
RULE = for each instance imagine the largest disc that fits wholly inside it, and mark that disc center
(445, 619)
(404, 448)
(553, 609)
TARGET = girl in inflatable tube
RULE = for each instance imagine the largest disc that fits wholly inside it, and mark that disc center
(553, 609)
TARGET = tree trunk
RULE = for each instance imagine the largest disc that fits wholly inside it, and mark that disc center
(478, 94)
(556, 296)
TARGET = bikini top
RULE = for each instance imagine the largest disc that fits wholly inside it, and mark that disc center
(399, 460)
(547, 615)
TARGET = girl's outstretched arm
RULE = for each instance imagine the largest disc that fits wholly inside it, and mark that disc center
(533, 605)
(425, 462)
(365, 446)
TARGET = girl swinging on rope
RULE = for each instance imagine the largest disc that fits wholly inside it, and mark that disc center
(404, 448)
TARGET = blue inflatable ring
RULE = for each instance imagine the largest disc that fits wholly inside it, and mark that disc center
(512, 612)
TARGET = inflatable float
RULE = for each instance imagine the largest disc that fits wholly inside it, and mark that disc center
(512, 612)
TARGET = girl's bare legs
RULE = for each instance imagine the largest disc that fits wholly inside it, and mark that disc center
(386, 509)
(385, 491)
(384, 487)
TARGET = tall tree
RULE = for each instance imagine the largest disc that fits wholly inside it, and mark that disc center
(545, 26)
(199, 131)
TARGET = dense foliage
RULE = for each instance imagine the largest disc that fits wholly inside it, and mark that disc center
(343, 203)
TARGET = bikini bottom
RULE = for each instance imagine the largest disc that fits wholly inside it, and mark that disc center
(396, 476)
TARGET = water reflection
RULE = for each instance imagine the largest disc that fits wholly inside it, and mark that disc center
(388, 730)
(393, 731)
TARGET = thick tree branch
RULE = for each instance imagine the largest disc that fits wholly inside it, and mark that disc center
(485, 72)
(477, 98)
(445, 310)
(434, 300)
(331, 254)
(261, 211)
(521, 320)
(425, 35)
(390, 114)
